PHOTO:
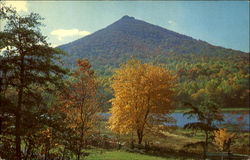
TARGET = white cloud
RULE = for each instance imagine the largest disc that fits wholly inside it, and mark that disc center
(54, 45)
(21, 6)
(171, 22)
(61, 33)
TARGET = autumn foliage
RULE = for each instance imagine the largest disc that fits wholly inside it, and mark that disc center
(79, 103)
(223, 139)
(142, 98)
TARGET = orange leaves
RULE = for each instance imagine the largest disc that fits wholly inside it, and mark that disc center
(84, 67)
(83, 64)
(79, 100)
(47, 133)
(140, 90)
(223, 138)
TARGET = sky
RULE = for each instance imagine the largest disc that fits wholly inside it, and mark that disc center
(221, 23)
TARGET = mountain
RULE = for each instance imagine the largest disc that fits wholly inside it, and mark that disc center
(203, 70)
(129, 37)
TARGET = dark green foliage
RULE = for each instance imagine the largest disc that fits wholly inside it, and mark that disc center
(28, 71)
(207, 113)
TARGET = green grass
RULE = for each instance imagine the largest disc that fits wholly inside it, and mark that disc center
(121, 155)
(235, 109)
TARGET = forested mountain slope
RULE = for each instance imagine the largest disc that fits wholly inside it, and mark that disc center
(204, 71)
(129, 37)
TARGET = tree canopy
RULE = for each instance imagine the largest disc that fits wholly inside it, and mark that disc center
(79, 103)
(29, 67)
(142, 97)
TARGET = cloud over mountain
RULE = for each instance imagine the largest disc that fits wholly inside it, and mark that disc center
(62, 33)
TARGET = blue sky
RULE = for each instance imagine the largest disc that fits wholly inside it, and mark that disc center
(221, 23)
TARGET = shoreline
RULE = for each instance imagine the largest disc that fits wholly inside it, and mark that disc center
(222, 109)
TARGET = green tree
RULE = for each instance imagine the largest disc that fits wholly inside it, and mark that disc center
(32, 63)
(207, 113)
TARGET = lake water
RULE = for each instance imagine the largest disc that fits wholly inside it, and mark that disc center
(235, 121)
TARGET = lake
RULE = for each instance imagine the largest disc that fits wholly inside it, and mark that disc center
(233, 120)
(238, 121)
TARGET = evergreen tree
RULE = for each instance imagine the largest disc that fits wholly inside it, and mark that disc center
(30, 63)
(206, 113)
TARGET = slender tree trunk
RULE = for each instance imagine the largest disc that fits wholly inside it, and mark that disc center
(81, 136)
(140, 131)
(205, 146)
(18, 111)
(80, 145)
(1, 75)
(140, 136)
(18, 137)
(18, 119)
(78, 152)
(228, 146)
(132, 141)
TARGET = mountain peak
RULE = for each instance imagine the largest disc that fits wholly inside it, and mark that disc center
(126, 17)
(133, 37)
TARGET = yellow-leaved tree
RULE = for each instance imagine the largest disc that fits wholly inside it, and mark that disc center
(142, 98)
(223, 139)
